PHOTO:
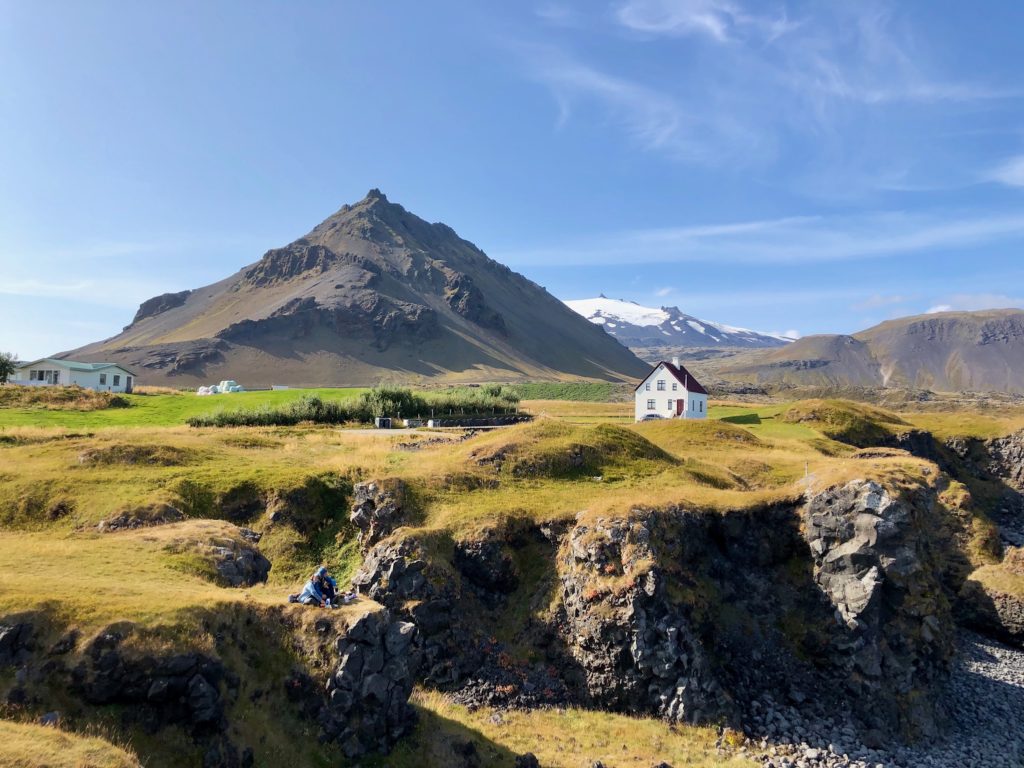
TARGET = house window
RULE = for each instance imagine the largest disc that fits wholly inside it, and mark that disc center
(650, 405)
(670, 404)
(103, 378)
(675, 386)
(647, 386)
(661, 386)
(117, 380)
(702, 406)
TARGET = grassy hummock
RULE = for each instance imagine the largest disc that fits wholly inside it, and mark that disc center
(28, 745)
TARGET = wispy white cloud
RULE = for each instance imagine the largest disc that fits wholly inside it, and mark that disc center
(855, 52)
(756, 81)
(791, 240)
(653, 119)
(663, 292)
(965, 302)
(1009, 172)
(720, 20)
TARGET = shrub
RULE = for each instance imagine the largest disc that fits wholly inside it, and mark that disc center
(379, 402)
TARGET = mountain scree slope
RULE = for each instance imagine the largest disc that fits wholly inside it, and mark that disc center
(372, 292)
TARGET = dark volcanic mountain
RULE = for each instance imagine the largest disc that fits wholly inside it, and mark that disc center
(372, 293)
(943, 352)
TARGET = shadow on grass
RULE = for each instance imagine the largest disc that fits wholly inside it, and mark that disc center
(743, 418)
(441, 741)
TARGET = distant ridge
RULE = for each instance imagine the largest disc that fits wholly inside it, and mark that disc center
(944, 352)
(640, 328)
(371, 293)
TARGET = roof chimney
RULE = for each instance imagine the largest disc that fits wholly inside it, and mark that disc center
(675, 361)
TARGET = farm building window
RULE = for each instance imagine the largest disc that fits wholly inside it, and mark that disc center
(647, 386)
(661, 386)
(650, 405)
(103, 378)
(702, 406)
(117, 380)
(675, 386)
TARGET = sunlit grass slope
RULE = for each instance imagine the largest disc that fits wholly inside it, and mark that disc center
(25, 745)
(159, 410)
(560, 738)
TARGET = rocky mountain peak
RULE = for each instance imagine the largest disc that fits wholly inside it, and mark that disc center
(372, 289)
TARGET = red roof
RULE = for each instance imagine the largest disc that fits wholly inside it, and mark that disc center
(683, 376)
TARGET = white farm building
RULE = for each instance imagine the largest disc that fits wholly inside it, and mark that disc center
(670, 392)
(48, 372)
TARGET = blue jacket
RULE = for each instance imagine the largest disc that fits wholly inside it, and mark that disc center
(312, 591)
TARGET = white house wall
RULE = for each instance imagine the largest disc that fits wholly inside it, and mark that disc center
(671, 389)
(84, 379)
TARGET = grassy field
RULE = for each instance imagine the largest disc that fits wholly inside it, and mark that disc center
(161, 410)
(62, 472)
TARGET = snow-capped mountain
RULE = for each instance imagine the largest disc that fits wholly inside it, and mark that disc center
(638, 326)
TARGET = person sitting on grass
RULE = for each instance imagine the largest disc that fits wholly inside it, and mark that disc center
(320, 590)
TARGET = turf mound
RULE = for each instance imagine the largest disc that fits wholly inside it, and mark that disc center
(555, 449)
(159, 455)
(60, 398)
(856, 424)
(680, 435)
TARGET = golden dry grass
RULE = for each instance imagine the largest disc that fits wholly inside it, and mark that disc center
(560, 738)
(126, 576)
(580, 412)
(994, 422)
(26, 745)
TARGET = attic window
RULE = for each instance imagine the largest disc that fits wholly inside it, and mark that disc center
(661, 385)
(675, 386)
(647, 386)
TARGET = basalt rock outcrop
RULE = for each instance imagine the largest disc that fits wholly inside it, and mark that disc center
(367, 704)
(377, 509)
(353, 680)
(875, 561)
(395, 573)
(689, 615)
(448, 599)
(638, 651)
(177, 689)
(1006, 458)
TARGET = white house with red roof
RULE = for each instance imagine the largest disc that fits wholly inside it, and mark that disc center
(670, 392)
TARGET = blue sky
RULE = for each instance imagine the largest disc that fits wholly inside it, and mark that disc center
(816, 167)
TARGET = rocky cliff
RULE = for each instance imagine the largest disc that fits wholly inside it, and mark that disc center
(691, 615)
(356, 696)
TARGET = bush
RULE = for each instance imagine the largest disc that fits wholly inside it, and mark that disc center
(379, 402)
